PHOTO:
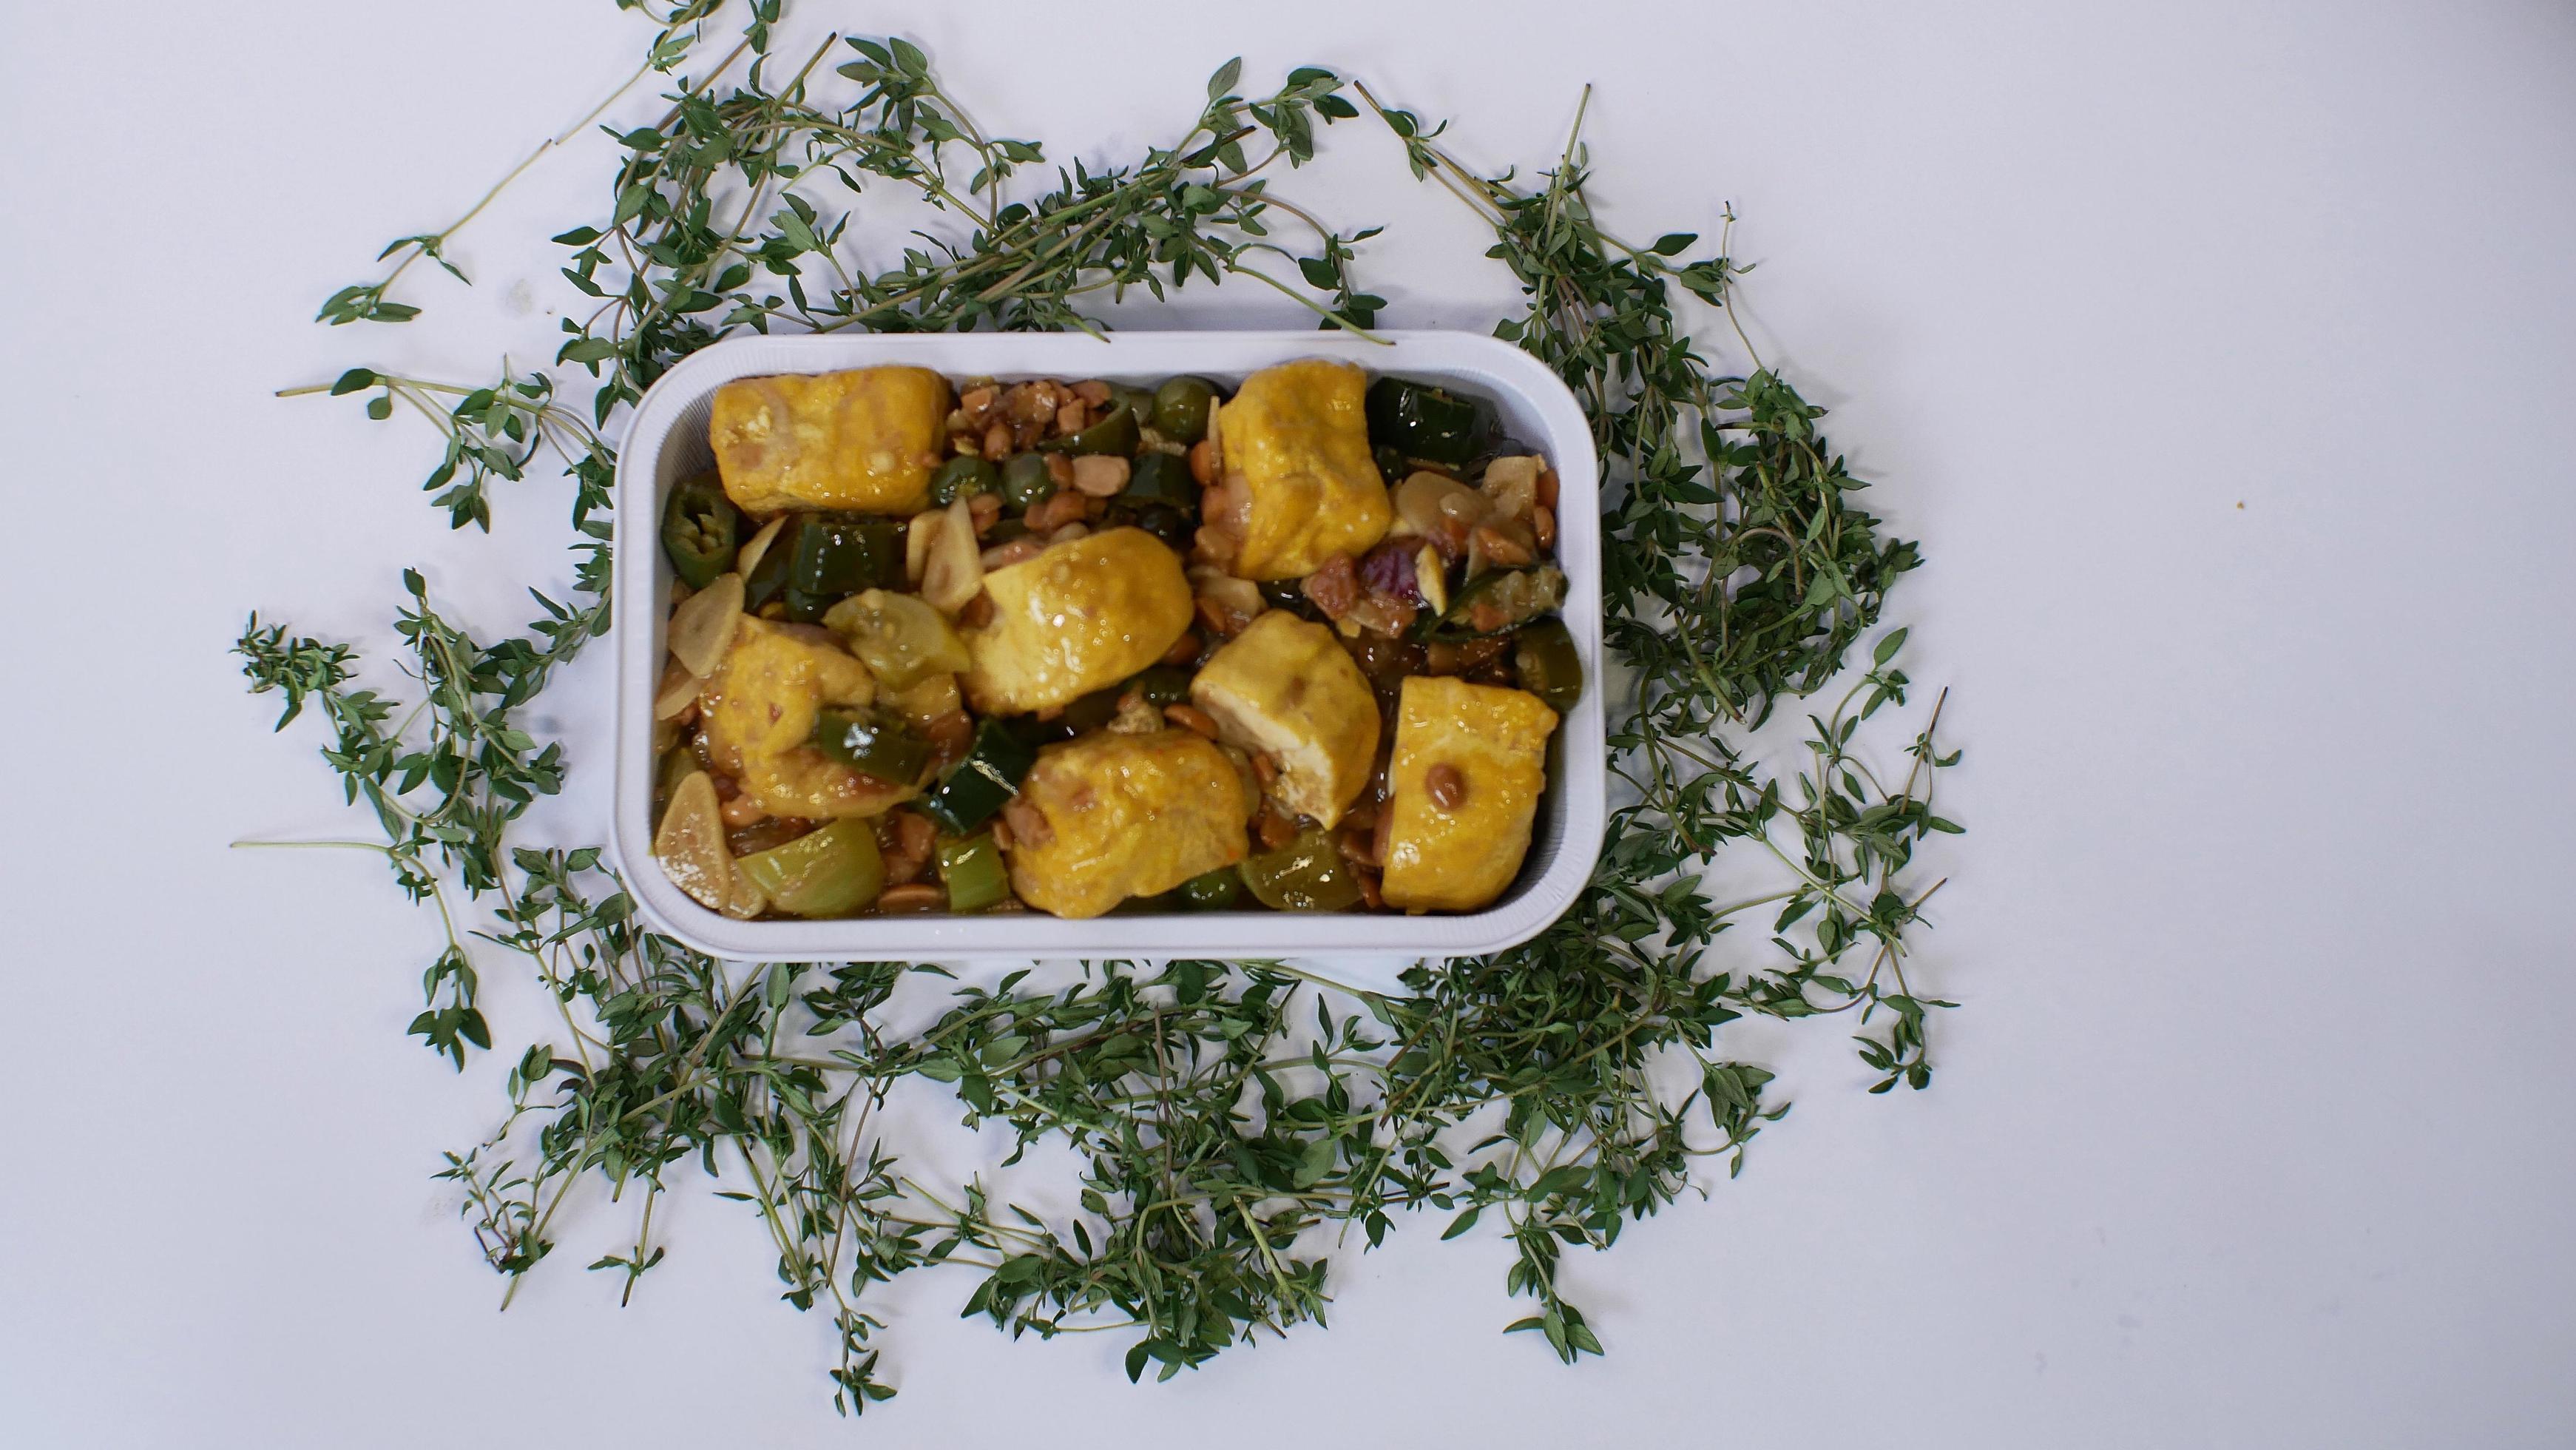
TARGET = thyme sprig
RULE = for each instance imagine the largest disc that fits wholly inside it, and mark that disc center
(1234, 1121)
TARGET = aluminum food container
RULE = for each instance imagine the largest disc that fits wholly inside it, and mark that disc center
(667, 442)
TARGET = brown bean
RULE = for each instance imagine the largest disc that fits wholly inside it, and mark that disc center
(913, 838)
(1543, 523)
(917, 896)
(1546, 490)
(1203, 463)
(1191, 720)
(1446, 787)
(997, 441)
(1071, 416)
(1059, 470)
(976, 402)
(1370, 896)
(1499, 547)
(1101, 475)
(741, 810)
(986, 509)
(1273, 829)
(1264, 769)
(1183, 650)
(1092, 391)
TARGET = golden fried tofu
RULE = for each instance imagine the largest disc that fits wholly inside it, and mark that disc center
(863, 441)
(1079, 617)
(757, 712)
(1286, 689)
(1117, 816)
(1296, 438)
(1470, 761)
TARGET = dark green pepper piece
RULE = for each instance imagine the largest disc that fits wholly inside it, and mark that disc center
(1390, 464)
(701, 530)
(1215, 891)
(1092, 711)
(1139, 401)
(1162, 685)
(1176, 529)
(1114, 434)
(1025, 480)
(1549, 665)
(1498, 600)
(1421, 421)
(872, 745)
(835, 555)
(767, 581)
(959, 477)
(1162, 478)
(979, 785)
(1290, 595)
(1181, 409)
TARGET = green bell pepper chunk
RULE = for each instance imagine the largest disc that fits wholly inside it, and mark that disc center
(969, 793)
(959, 477)
(1307, 874)
(1114, 433)
(1214, 891)
(701, 529)
(1421, 421)
(1549, 665)
(1161, 684)
(973, 872)
(872, 745)
(832, 871)
(1025, 480)
(1495, 601)
(1162, 478)
(1181, 408)
(1139, 401)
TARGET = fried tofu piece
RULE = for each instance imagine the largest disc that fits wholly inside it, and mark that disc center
(1284, 688)
(757, 712)
(863, 441)
(1295, 440)
(1470, 762)
(1106, 817)
(1079, 617)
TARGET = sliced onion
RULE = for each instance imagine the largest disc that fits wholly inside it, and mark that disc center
(702, 628)
(679, 688)
(953, 573)
(744, 562)
(918, 536)
(691, 843)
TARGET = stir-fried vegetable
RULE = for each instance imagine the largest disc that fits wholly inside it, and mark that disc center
(701, 528)
(975, 788)
(829, 872)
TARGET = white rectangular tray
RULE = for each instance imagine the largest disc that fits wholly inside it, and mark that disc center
(667, 441)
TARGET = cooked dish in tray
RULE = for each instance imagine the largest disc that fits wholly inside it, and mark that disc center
(1081, 647)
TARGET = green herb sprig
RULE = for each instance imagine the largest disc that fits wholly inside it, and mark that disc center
(1234, 1120)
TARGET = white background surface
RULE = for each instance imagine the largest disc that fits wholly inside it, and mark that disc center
(2255, 1128)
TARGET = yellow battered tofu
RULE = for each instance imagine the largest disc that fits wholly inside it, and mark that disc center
(1284, 688)
(1079, 617)
(757, 712)
(863, 441)
(1296, 436)
(1125, 815)
(1459, 857)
